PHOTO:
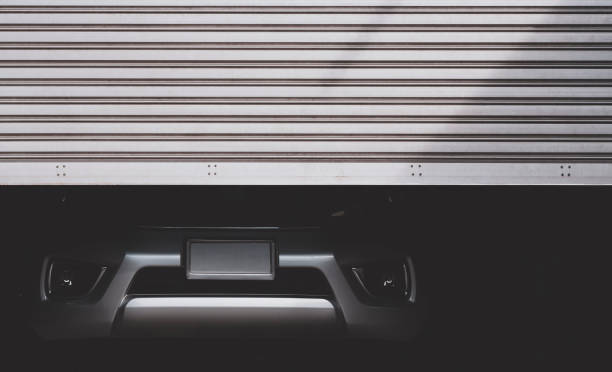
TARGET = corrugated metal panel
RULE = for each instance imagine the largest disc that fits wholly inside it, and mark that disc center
(305, 92)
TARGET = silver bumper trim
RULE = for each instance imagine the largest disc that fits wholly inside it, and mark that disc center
(225, 316)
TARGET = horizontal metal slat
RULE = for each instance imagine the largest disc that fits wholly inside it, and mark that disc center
(486, 129)
(322, 37)
(296, 3)
(357, 109)
(373, 19)
(185, 75)
(302, 55)
(348, 137)
(71, 94)
(313, 146)
(404, 7)
(155, 172)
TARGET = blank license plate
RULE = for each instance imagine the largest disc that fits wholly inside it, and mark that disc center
(230, 260)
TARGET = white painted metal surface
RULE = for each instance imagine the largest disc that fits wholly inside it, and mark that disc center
(305, 92)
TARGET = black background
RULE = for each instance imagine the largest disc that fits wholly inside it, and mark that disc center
(511, 277)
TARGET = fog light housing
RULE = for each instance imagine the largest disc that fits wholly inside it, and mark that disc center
(386, 281)
(72, 280)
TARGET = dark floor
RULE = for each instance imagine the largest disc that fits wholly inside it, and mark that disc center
(511, 277)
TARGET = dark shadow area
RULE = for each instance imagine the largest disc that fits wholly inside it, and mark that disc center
(509, 277)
